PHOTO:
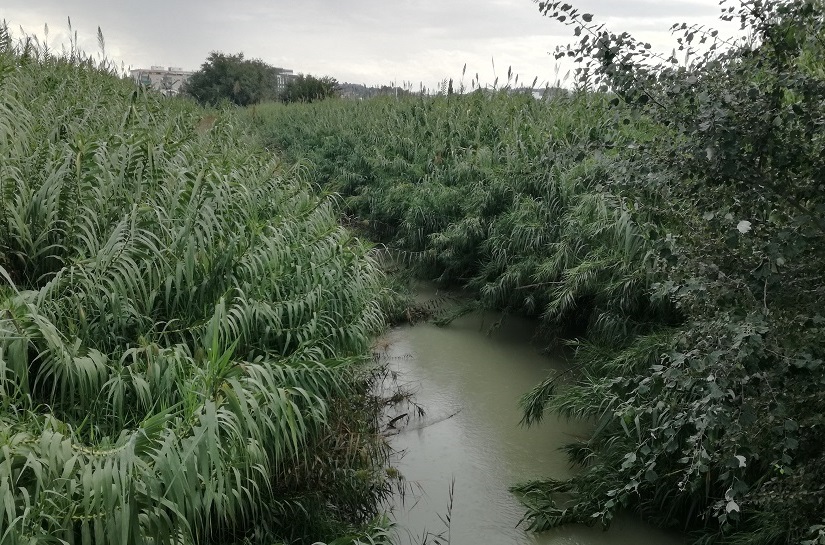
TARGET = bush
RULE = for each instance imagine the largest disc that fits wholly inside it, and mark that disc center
(715, 421)
(307, 88)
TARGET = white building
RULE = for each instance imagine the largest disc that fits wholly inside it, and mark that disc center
(282, 78)
(167, 80)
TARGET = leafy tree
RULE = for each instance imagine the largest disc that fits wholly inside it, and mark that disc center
(307, 88)
(231, 77)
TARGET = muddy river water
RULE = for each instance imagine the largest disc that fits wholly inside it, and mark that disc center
(469, 439)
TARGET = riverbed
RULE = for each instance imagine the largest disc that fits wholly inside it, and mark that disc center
(468, 380)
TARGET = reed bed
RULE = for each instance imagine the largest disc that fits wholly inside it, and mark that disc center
(498, 193)
(183, 324)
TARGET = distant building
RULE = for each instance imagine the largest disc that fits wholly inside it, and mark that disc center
(167, 80)
(282, 78)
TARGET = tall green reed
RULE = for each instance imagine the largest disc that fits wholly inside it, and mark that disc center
(183, 324)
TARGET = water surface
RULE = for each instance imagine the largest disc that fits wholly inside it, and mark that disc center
(469, 383)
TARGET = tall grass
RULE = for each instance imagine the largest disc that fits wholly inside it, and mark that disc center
(498, 193)
(183, 324)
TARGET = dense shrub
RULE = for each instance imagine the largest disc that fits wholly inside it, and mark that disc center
(718, 424)
(308, 88)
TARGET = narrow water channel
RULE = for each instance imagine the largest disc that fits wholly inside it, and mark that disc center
(468, 383)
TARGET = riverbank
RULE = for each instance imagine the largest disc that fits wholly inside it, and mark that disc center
(690, 293)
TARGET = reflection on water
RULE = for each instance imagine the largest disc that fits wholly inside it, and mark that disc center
(469, 384)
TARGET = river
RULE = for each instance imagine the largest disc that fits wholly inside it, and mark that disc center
(469, 439)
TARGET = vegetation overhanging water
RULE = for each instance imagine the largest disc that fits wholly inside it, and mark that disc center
(665, 218)
(184, 323)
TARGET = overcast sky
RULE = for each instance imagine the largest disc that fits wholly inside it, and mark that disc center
(358, 41)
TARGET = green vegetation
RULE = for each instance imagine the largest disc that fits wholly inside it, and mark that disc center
(183, 320)
(183, 326)
(497, 193)
(307, 88)
(231, 78)
(243, 82)
(667, 219)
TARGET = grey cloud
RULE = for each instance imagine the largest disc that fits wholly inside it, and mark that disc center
(373, 40)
